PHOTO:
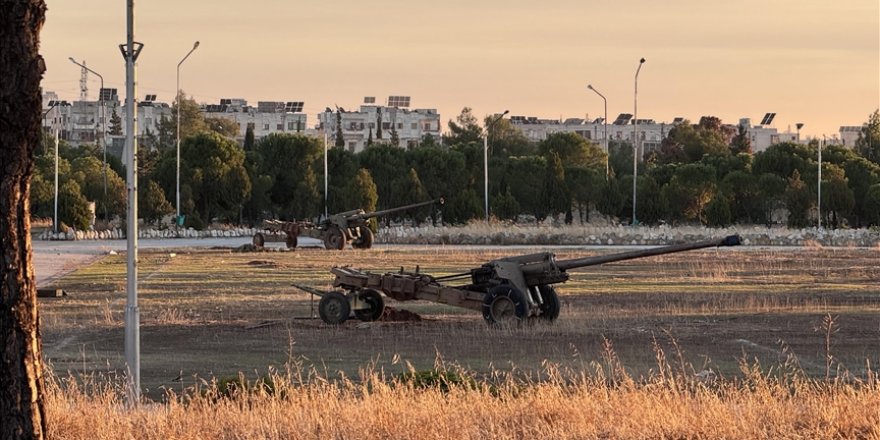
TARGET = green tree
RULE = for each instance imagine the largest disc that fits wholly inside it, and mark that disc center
(741, 143)
(573, 150)
(464, 129)
(395, 138)
(718, 211)
(743, 193)
(872, 205)
(505, 206)
(340, 139)
(771, 194)
(650, 208)
(861, 175)
(689, 191)
(799, 201)
(837, 198)
(414, 192)
(361, 191)
(387, 165)
(225, 127)
(88, 172)
(342, 166)
(783, 159)
(379, 123)
(506, 140)
(285, 158)
(249, 138)
(152, 204)
(585, 185)
(212, 168)
(73, 208)
(868, 143)
(523, 177)
(307, 198)
(620, 158)
(689, 143)
(555, 192)
(115, 123)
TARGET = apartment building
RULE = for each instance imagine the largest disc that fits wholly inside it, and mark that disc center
(376, 121)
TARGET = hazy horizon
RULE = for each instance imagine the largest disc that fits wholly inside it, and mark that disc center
(810, 61)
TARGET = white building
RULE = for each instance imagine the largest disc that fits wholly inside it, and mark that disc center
(266, 118)
(358, 126)
(622, 129)
(651, 133)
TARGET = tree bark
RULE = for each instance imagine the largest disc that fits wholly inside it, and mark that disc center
(22, 414)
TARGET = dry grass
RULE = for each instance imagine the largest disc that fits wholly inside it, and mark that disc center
(600, 401)
(727, 312)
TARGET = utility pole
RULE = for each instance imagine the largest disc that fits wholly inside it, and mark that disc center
(130, 51)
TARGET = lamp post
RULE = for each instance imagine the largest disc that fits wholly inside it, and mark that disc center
(636, 138)
(819, 186)
(130, 51)
(604, 130)
(177, 197)
(486, 161)
(102, 141)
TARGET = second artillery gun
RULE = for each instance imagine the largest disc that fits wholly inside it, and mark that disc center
(505, 290)
(335, 231)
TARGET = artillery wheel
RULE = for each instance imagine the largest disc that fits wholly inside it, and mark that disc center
(365, 241)
(259, 239)
(334, 239)
(291, 241)
(504, 304)
(334, 308)
(376, 303)
(550, 308)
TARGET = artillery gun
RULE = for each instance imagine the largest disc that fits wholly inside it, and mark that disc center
(506, 290)
(335, 231)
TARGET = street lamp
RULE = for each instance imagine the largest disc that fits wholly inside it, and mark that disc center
(486, 161)
(819, 185)
(177, 198)
(636, 138)
(605, 129)
(102, 141)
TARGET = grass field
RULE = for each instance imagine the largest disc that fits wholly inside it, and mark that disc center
(791, 321)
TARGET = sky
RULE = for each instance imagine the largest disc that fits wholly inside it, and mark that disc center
(815, 62)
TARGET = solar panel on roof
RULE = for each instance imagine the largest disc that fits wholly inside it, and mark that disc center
(398, 101)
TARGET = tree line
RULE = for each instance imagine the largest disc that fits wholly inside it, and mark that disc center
(704, 173)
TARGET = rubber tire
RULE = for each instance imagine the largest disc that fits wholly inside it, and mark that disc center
(291, 241)
(377, 305)
(259, 239)
(365, 241)
(334, 239)
(551, 306)
(514, 311)
(334, 308)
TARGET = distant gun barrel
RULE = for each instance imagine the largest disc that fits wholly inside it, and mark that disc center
(731, 240)
(399, 208)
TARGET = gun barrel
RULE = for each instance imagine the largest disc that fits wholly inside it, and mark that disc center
(399, 208)
(732, 240)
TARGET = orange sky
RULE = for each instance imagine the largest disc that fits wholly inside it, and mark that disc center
(810, 61)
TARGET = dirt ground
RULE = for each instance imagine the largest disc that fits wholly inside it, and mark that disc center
(213, 313)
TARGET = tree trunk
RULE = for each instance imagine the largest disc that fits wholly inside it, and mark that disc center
(21, 365)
